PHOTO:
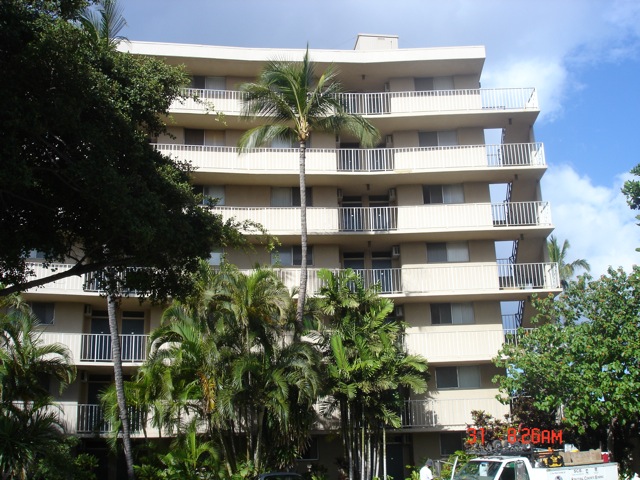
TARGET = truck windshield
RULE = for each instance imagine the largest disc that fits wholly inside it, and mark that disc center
(479, 470)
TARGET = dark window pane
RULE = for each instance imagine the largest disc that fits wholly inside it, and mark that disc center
(436, 253)
(447, 377)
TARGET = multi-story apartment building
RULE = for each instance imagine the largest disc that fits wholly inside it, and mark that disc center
(446, 214)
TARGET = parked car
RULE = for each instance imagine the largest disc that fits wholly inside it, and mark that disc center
(280, 476)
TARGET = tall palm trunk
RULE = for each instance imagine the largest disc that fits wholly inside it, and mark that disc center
(302, 291)
(119, 382)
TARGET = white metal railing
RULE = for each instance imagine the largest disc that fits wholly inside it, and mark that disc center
(96, 347)
(512, 336)
(434, 217)
(381, 103)
(508, 214)
(441, 278)
(90, 419)
(332, 160)
(448, 412)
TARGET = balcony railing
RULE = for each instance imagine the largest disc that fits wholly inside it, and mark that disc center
(512, 336)
(382, 103)
(463, 216)
(88, 419)
(444, 278)
(94, 348)
(448, 412)
(438, 278)
(455, 343)
(331, 160)
(83, 418)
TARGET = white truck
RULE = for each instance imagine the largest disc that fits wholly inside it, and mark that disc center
(501, 467)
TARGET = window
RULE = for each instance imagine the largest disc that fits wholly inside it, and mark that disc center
(443, 194)
(445, 138)
(458, 377)
(290, 256)
(36, 255)
(450, 443)
(452, 313)
(193, 136)
(215, 258)
(289, 197)
(282, 143)
(44, 311)
(424, 84)
(211, 83)
(211, 194)
(449, 252)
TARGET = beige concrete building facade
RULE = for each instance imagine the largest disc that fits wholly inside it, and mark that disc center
(446, 214)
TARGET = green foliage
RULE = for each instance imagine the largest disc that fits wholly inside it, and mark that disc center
(297, 101)
(76, 119)
(63, 463)
(583, 359)
(222, 360)
(631, 190)
(558, 254)
(32, 440)
(460, 457)
(366, 368)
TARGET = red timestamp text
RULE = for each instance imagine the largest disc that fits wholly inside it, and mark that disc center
(524, 436)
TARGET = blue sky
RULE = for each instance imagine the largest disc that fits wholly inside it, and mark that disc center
(583, 56)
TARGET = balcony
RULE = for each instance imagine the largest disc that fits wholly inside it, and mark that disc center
(229, 102)
(512, 336)
(455, 343)
(376, 161)
(397, 220)
(453, 414)
(88, 419)
(89, 348)
(446, 279)
(483, 278)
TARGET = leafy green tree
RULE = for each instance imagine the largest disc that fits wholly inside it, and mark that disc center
(365, 367)
(558, 254)
(297, 101)
(80, 181)
(631, 190)
(583, 360)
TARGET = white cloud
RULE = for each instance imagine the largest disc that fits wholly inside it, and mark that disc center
(595, 219)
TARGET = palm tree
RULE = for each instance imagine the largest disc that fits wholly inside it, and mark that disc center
(29, 428)
(103, 26)
(297, 102)
(226, 362)
(558, 255)
(24, 360)
(105, 23)
(366, 367)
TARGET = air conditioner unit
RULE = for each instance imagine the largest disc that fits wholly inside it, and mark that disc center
(392, 194)
(395, 251)
(339, 194)
(88, 310)
(399, 311)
